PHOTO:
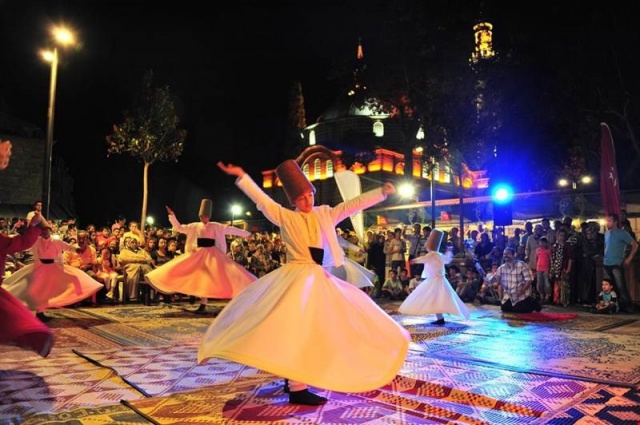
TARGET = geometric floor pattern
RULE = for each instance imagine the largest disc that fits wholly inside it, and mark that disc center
(489, 369)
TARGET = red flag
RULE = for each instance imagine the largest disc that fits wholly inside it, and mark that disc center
(609, 187)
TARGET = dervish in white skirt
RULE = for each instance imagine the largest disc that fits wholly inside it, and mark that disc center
(299, 321)
(48, 282)
(434, 295)
(204, 270)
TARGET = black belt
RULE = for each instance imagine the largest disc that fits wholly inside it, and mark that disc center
(46, 260)
(206, 242)
(317, 255)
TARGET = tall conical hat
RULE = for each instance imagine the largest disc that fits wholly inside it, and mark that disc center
(434, 241)
(205, 207)
(293, 180)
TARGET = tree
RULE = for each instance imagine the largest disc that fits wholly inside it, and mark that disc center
(149, 132)
(296, 122)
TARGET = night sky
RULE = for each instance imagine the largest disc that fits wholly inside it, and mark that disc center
(231, 71)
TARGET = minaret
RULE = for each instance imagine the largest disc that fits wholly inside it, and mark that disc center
(358, 71)
(480, 61)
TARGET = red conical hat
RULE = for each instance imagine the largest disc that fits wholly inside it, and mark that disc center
(293, 180)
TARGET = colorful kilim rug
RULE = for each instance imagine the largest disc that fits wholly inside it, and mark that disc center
(73, 317)
(173, 368)
(67, 339)
(30, 384)
(539, 392)
(629, 328)
(126, 335)
(581, 321)
(540, 317)
(137, 312)
(174, 329)
(403, 401)
(102, 415)
(595, 356)
(608, 405)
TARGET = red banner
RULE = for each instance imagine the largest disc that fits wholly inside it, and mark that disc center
(609, 187)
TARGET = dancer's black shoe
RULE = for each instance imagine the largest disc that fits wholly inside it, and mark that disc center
(202, 309)
(286, 387)
(306, 398)
(439, 322)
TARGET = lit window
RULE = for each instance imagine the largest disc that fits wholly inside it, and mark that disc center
(329, 168)
(305, 170)
(312, 137)
(316, 169)
(425, 170)
(420, 135)
(436, 172)
(447, 174)
(378, 129)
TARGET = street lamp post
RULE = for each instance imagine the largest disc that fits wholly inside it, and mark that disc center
(63, 37)
(46, 175)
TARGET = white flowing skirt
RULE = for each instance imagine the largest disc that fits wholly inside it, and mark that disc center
(434, 295)
(41, 286)
(206, 272)
(353, 273)
(302, 323)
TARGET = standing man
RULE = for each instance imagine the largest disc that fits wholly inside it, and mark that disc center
(415, 240)
(616, 241)
(37, 209)
(516, 277)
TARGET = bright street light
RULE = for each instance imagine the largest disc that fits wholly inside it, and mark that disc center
(61, 36)
(586, 180)
(150, 221)
(563, 182)
(406, 190)
(235, 210)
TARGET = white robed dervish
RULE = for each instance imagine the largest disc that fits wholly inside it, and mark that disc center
(434, 295)
(48, 282)
(204, 270)
(351, 271)
(299, 321)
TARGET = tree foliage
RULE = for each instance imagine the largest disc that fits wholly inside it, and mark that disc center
(150, 130)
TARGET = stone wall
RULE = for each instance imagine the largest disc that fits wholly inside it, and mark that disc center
(21, 182)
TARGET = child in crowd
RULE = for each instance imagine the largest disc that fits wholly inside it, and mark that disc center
(543, 268)
(607, 299)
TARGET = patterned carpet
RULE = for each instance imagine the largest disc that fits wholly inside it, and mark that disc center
(103, 415)
(137, 312)
(30, 384)
(489, 369)
(173, 368)
(596, 356)
(403, 401)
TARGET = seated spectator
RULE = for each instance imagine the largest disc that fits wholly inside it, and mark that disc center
(607, 299)
(469, 287)
(392, 287)
(515, 277)
(414, 282)
(135, 263)
(453, 275)
(404, 278)
(106, 272)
